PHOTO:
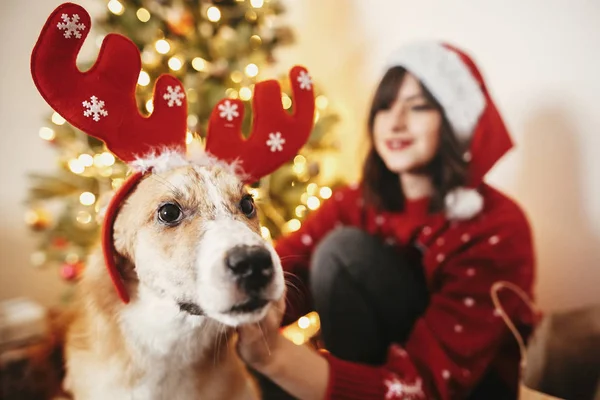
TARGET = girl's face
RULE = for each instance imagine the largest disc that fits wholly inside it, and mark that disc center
(407, 134)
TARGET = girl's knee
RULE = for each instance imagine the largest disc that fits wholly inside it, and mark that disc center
(334, 249)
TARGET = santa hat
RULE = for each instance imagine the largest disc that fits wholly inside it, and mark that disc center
(455, 82)
(102, 103)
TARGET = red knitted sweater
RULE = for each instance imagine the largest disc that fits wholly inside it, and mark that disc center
(460, 337)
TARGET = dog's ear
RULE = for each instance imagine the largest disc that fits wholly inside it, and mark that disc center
(126, 268)
(124, 235)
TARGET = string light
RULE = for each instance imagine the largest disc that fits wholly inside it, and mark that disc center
(292, 225)
(265, 232)
(286, 101)
(192, 120)
(84, 217)
(321, 102)
(255, 41)
(189, 137)
(149, 57)
(57, 119)
(199, 64)
(143, 14)
(149, 106)
(256, 3)
(317, 115)
(312, 188)
(144, 78)
(251, 70)
(115, 7)
(87, 198)
(237, 76)
(325, 192)
(299, 160)
(213, 14)
(175, 63)
(76, 166)
(313, 202)
(162, 46)
(251, 16)
(107, 159)
(300, 211)
(98, 161)
(303, 322)
(304, 329)
(72, 258)
(106, 172)
(304, 197)
(117, 183)
(255, 193)
(245, 93)
(47, 133)
(231, 93)
(86, 160)
(192, 95)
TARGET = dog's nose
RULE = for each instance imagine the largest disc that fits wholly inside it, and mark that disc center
(251, 265)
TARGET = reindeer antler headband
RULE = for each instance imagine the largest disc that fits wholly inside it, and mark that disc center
(102, 103)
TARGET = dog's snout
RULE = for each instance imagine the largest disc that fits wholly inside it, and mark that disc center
(251, 265)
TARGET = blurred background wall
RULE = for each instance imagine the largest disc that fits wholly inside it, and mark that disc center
(541, 60)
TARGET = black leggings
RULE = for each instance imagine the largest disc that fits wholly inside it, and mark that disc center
(367, 294)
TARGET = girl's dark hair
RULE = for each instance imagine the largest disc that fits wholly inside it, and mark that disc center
(381, 187)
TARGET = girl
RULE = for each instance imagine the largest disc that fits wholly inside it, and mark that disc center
(400, 268)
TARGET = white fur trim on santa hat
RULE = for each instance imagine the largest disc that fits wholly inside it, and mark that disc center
(449, 80)
(463, 203)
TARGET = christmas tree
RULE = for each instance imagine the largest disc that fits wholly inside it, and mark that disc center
(217, 49)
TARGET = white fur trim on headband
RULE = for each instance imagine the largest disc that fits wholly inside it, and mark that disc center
(463, 203)
(167, 159)
(448, 79)
(160, 161)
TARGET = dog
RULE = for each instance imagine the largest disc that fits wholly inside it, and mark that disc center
(196, 266)
(182, 262)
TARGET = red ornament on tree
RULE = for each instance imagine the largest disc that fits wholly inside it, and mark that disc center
(59, 242)
(180, 21)
(71, 272)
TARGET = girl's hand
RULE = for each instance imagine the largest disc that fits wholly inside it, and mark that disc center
(258, 343)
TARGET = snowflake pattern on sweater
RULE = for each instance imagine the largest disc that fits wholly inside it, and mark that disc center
(459, 337)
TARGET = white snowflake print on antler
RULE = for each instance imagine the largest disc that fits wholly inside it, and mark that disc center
(228, 110)
(396, 389)
(275, 142)
(94, 108)
(305, 81)
(174, 96)
(71, 26)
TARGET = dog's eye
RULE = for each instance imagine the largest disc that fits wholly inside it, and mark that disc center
(169, 213)
(247, 206)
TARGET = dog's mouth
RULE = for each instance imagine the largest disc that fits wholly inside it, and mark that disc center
(191, 308)
(251, 305)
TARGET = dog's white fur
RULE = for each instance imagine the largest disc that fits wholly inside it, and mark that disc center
(149, 349)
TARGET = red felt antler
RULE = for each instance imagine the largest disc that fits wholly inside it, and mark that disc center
(101, 101)
(276, 135)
